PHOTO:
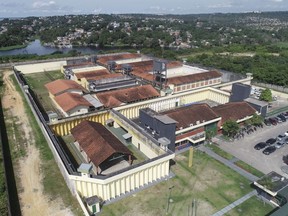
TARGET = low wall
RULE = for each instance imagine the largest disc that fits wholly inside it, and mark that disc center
(40, 67)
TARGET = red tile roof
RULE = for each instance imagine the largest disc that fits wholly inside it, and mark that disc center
(97, 141)
(234, 110)
(60, 86)
(104, 59)
(122, 96)
(194, 77)
(191, 114)
(68, 101)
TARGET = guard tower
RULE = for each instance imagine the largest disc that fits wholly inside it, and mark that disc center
(159, 73)
(111, 65)
(127, 69)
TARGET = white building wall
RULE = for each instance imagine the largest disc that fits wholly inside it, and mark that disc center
(40, 67)
(125, 182)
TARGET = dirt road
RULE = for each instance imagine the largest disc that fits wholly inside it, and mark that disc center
(33, 201)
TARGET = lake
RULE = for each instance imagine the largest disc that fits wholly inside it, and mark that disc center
(36, 47)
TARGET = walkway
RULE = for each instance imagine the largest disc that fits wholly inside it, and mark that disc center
(236, 203)
(228, 163)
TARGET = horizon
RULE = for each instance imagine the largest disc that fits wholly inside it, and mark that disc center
(154, 14)
(44, 8)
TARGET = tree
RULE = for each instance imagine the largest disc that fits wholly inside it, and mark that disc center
(266, 95)
(256, 120)
(230, 128)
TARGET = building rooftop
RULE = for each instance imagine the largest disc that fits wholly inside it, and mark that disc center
(68, 101)
(191, 115)
(59, 86)
(123, 96)
(93, 73)
(257, 102)
(273, 183)
(195, 77)
(104, 59)
(234, 110)
(97, 141)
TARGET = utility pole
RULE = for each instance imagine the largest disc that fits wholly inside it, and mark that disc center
(168, 201)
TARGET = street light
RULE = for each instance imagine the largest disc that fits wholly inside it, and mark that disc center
(168, 201)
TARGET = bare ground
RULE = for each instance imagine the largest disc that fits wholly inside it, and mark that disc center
(33, 201)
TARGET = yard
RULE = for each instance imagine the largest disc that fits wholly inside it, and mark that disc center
(36, 82)
(211, 184)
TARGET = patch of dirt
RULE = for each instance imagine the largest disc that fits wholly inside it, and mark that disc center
(206, 208)
(33, 201)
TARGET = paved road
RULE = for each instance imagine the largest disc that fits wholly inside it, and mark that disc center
(244, 149)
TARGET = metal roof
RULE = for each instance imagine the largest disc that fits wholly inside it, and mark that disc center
(165, 119)
(84, 168)
(96, 103)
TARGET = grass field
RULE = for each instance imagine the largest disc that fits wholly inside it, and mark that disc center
(12, 47)
(249, 168)
(220, 152)
(252, 207)
(36, 82)
(209, 182)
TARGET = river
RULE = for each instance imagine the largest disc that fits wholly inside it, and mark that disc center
(35, 47)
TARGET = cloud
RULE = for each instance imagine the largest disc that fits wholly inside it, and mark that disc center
(277, 0)
(42, 4)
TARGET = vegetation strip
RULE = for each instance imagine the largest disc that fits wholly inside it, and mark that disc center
(13, 199)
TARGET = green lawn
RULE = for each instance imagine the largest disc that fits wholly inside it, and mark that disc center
(209, 182)
(36, 82)
(220, 152)
(249, 168)
(12, 47)
(251, 207)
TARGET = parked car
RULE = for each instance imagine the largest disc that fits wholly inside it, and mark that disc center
(279, 145)
(278, 119)
(269, 150)
(260, 145)
(282, 117)
(271, 141)
(273, 121)
(280, 137)
(267, 122)
(286, 133)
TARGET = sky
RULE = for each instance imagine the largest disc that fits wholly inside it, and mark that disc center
(24, 8)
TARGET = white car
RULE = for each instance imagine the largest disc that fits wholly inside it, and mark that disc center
(286, 133)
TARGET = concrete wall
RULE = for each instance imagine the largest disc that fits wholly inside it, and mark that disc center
(40, 67)
(125, 182)
(63, 127)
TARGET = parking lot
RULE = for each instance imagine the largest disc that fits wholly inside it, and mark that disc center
(243, 149)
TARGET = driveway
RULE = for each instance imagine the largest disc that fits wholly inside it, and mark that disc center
(244, 149)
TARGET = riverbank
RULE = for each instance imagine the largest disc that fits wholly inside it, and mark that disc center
(12, 47)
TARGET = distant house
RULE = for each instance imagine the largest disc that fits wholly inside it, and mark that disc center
(71, 104)
(120, 97)
(60, 86)
(100, 147)
(237, 111)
